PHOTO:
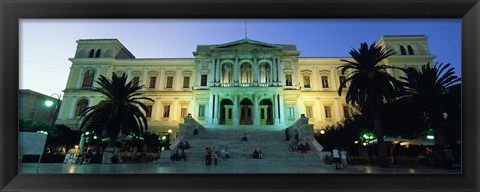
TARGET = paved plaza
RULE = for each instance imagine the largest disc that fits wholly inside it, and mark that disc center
(155, 168)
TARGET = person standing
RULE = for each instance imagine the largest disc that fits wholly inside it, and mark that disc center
(215, 157)
(343, 158)
(336, 158)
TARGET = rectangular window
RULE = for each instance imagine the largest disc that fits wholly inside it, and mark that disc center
(186, 81)
(169, 82)
(288, 80)
(153, 79)
(325, 81)
(184, 112)
(309, 111)
(342, 80)
(346, 112)
(328, 113)
(291, 112)
(306, 81)
(203, 81)
(149, 111)
(166, 111)
(201, 110)
(136, 79)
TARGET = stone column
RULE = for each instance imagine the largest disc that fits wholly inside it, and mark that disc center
(161, 76)
(217, 109)
(255, 72)
(273, 72)
(158, 110)
(192, 108)
(319, 109)
(109, 68)
(209, 111)
(337, 110)
(175, 109)
(295, 75)
(73, 106)
(218, 71)
(129, 74)
(334, 78)
(145, 78)
(236, 71)
(236, 120)
(314, 83)
(81, 76)
(95, 76)
(256, 110)
(301, 108)
(177, 83)
(275, 108)
(282, 111)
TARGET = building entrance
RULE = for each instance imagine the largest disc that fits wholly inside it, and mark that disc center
(246, 112)
(266, 112)
(226, 109)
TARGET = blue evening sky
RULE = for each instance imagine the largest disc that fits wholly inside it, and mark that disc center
(46, 45)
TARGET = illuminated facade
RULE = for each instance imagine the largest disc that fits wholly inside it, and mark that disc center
(242, 83)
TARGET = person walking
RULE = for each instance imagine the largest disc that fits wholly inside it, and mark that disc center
(336, 158)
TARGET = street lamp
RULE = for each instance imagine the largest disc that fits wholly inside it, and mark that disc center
(50, 103)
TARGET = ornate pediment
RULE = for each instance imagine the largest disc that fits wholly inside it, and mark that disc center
(246, 44)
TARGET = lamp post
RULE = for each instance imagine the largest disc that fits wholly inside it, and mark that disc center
(49, 103)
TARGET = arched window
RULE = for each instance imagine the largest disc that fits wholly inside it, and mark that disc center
(402, 50)
(410, 50)
(246, 74)
(227, 74)
(91, 53)
(264, 73)
(88, 78)
(81, 106)
(98, 53)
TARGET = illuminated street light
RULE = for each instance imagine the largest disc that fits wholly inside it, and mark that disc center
(430, 137)
(50, 103)
(322, 131)
(170, 131)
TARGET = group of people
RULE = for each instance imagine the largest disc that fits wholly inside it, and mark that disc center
(209, 157)
(177, 156)
(303, 148)
(257, 154)
(339, 157)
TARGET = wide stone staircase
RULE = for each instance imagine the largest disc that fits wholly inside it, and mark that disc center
(271, 141)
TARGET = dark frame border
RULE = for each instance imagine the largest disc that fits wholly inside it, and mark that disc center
(11, 11)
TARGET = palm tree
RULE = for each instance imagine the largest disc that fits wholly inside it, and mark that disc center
(430, 90)
(370, 86)
(121, 111)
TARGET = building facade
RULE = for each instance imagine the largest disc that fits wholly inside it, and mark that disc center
(32, 105)
(242, 83)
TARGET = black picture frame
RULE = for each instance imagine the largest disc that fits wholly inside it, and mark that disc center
(11, 11)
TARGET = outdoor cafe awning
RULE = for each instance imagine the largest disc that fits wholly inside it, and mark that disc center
(389, 139)
(419, 141)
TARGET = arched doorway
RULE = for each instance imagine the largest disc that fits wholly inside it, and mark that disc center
(226, 109)
(246, 112)
(266, 112)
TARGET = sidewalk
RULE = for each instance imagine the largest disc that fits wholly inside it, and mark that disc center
(156, 168)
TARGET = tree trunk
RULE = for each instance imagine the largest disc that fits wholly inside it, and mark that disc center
(439, 127)
(380, 142)
(109, 151)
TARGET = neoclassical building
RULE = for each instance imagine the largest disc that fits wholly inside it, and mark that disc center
(240, 83)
